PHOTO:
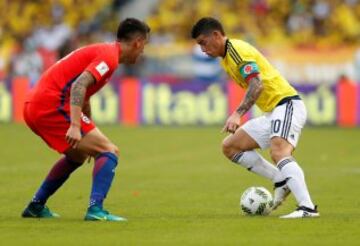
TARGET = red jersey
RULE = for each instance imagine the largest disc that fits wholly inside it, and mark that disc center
(53, 89)
(47, 107)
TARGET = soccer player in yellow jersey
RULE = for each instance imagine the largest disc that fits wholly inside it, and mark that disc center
(278, 129)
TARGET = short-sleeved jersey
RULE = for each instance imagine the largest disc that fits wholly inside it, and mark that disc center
(242, 61)
(53, 88)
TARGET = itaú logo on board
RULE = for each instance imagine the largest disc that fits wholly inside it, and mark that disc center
(162, 105)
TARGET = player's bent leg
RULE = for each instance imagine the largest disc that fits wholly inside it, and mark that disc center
(278, 149)
(240, 141)
(57, 176)
(76, 155)
(239, 148)
(106, 159)
(95, 143)
(281, 153)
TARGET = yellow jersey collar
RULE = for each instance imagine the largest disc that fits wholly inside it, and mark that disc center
(226, 47)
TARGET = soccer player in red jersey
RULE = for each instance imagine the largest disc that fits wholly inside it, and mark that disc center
(58, 110)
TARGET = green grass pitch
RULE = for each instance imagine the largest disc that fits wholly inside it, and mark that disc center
(176, 188)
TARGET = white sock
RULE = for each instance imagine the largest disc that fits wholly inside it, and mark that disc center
(254, 162)
(296, 181)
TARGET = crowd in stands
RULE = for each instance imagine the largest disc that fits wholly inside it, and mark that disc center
(34, 34)
(270, 25)
(299, 22)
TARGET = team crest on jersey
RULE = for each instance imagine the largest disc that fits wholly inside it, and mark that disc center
(85, 119)
(248, 69)
(102, 68)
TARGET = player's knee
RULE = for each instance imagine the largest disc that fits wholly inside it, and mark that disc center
(278, 154)
(106, 146)
(116, 150)
(112, 148)
(228, 148)
(280, 149)
(275, 155)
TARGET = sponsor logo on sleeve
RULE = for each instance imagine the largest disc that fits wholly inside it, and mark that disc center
(102, 68)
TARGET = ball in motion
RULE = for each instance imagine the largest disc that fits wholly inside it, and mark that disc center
(256, 201)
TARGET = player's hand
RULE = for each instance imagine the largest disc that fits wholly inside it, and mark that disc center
(73, 136)
(232, 123)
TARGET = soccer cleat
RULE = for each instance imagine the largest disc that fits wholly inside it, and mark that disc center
(281, 191)
(95, 213)
(302, 212)
(37, 210)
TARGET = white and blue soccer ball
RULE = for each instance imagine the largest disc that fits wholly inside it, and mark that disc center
(256, 201)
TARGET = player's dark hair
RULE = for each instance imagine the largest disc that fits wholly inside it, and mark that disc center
(131, 26)
(205, 26)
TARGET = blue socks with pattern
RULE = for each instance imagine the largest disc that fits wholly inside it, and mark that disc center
(103, 175)
(55, 179)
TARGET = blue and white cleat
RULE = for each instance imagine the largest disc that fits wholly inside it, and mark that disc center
(95, 213)
(36, 210)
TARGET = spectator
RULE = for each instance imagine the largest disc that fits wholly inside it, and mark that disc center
(28, 63)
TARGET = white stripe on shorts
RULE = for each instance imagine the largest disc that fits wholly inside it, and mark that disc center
(287, 120)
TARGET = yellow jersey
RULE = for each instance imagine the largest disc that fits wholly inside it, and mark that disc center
(242, 61)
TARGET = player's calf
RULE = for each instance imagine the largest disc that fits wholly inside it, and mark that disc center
(106, 159)
(103, 175)
(237, 148)
(57, 176)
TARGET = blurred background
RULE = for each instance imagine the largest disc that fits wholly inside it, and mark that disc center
(315, 44)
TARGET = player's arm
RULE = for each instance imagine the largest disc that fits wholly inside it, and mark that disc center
(252, 94)
(86, 109)
(77, 97)
(250, 72)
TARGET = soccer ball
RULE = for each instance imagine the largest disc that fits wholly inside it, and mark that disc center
(256, 201)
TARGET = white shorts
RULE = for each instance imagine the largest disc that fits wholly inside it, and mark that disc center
(284, 121)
